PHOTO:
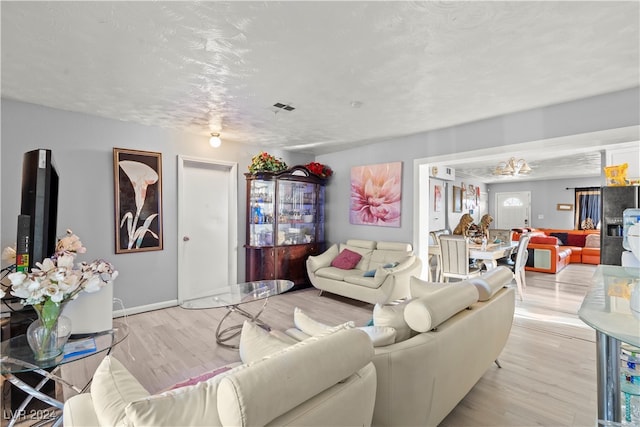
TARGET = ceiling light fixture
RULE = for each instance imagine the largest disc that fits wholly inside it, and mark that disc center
(512, 167)
(215, 140)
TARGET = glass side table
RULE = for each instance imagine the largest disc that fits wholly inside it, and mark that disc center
(611, 317)
(17, 357)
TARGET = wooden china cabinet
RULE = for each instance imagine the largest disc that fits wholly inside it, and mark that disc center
(285, 223)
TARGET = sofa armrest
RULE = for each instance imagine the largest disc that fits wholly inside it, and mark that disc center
(322, 260)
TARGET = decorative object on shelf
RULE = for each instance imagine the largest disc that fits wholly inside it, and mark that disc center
(376, 192)
(265, 162)
(48, 287)
(512, 167)
(319, 169)
(138, 199)
(215, 140)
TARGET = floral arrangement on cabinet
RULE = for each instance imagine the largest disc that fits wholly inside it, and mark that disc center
(265, 162)
(319, 169)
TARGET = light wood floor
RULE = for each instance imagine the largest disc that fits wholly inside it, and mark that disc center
(548, 365)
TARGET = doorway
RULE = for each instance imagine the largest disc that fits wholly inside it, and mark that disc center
(513, 209)
(207, 226)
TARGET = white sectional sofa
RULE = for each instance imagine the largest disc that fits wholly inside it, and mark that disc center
(455, 332)
(380, 276)
(327, 380)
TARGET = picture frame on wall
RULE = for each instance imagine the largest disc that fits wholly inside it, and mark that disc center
(376, 195)
(138, 200)
(457, 199)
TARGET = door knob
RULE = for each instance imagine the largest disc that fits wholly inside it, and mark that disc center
(185, 239)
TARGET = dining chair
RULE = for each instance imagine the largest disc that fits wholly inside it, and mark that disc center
(434, 240)
(454, 257)
(522, 254)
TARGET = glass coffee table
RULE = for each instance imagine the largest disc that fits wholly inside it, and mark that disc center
(17, 357)
(231, 297)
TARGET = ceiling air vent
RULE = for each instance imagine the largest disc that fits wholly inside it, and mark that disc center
(284, 106)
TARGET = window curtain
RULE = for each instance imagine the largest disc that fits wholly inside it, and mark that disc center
(587, 208)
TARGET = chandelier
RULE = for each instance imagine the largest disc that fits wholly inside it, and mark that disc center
(512, 167)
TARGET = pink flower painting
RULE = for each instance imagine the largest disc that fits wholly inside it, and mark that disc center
(375, 194)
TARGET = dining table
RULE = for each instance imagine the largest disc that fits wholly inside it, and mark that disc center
(492, 252)
(489, 255)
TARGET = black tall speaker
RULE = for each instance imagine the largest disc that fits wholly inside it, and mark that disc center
(614, 201)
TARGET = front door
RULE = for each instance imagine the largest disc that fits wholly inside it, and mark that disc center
(513, 210)
(207, 226)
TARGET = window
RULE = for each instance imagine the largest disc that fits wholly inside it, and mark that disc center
(512, 201)
(587, 208)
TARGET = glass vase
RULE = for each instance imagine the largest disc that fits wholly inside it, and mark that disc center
(48, 337)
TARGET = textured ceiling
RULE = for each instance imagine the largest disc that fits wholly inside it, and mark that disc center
(356, 72)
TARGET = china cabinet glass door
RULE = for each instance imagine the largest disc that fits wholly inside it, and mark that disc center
(297, 210)
(261, 215)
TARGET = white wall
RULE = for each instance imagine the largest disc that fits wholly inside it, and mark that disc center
(610, 111)
(545, 195)
(82, 147)
(82, 150)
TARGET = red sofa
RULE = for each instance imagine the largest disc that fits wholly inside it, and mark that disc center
(551, 250)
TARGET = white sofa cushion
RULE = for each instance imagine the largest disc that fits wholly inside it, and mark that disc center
(426, 313)
(491, 282)
(420, 288)
(363, 247)
(112, 389)
(369, 282)
(380, 335)
(394, 246)
(310, 367)
(324, 259)
(336, 273)
(312, 327)
(392, 316)
(256, 343)
(185, 406)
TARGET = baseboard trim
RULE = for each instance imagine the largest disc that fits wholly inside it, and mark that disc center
(142, 308)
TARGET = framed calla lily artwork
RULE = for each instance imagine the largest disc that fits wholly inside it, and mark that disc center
(138, 200)
(376, 192)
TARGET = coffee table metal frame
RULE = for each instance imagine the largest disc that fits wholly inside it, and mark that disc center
(17, 357)
(231, 297)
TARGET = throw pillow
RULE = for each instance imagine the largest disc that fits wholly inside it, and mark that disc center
(392, 316)
(380, 335)
(112, 389)
(592, 241)
(256, 343)
(185, 406)
(576, 240)
(562, 237)
(346, 260)
(312, 327)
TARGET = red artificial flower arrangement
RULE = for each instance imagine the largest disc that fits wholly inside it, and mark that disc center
(319, 169)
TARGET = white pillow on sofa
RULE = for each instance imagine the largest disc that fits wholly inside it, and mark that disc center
(392, 316)
(119, 399)
(312, 327)
(426, 313)
(256, 343)
(112, 389)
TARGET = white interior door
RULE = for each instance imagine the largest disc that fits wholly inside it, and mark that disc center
(513, 209)
(207, 226)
